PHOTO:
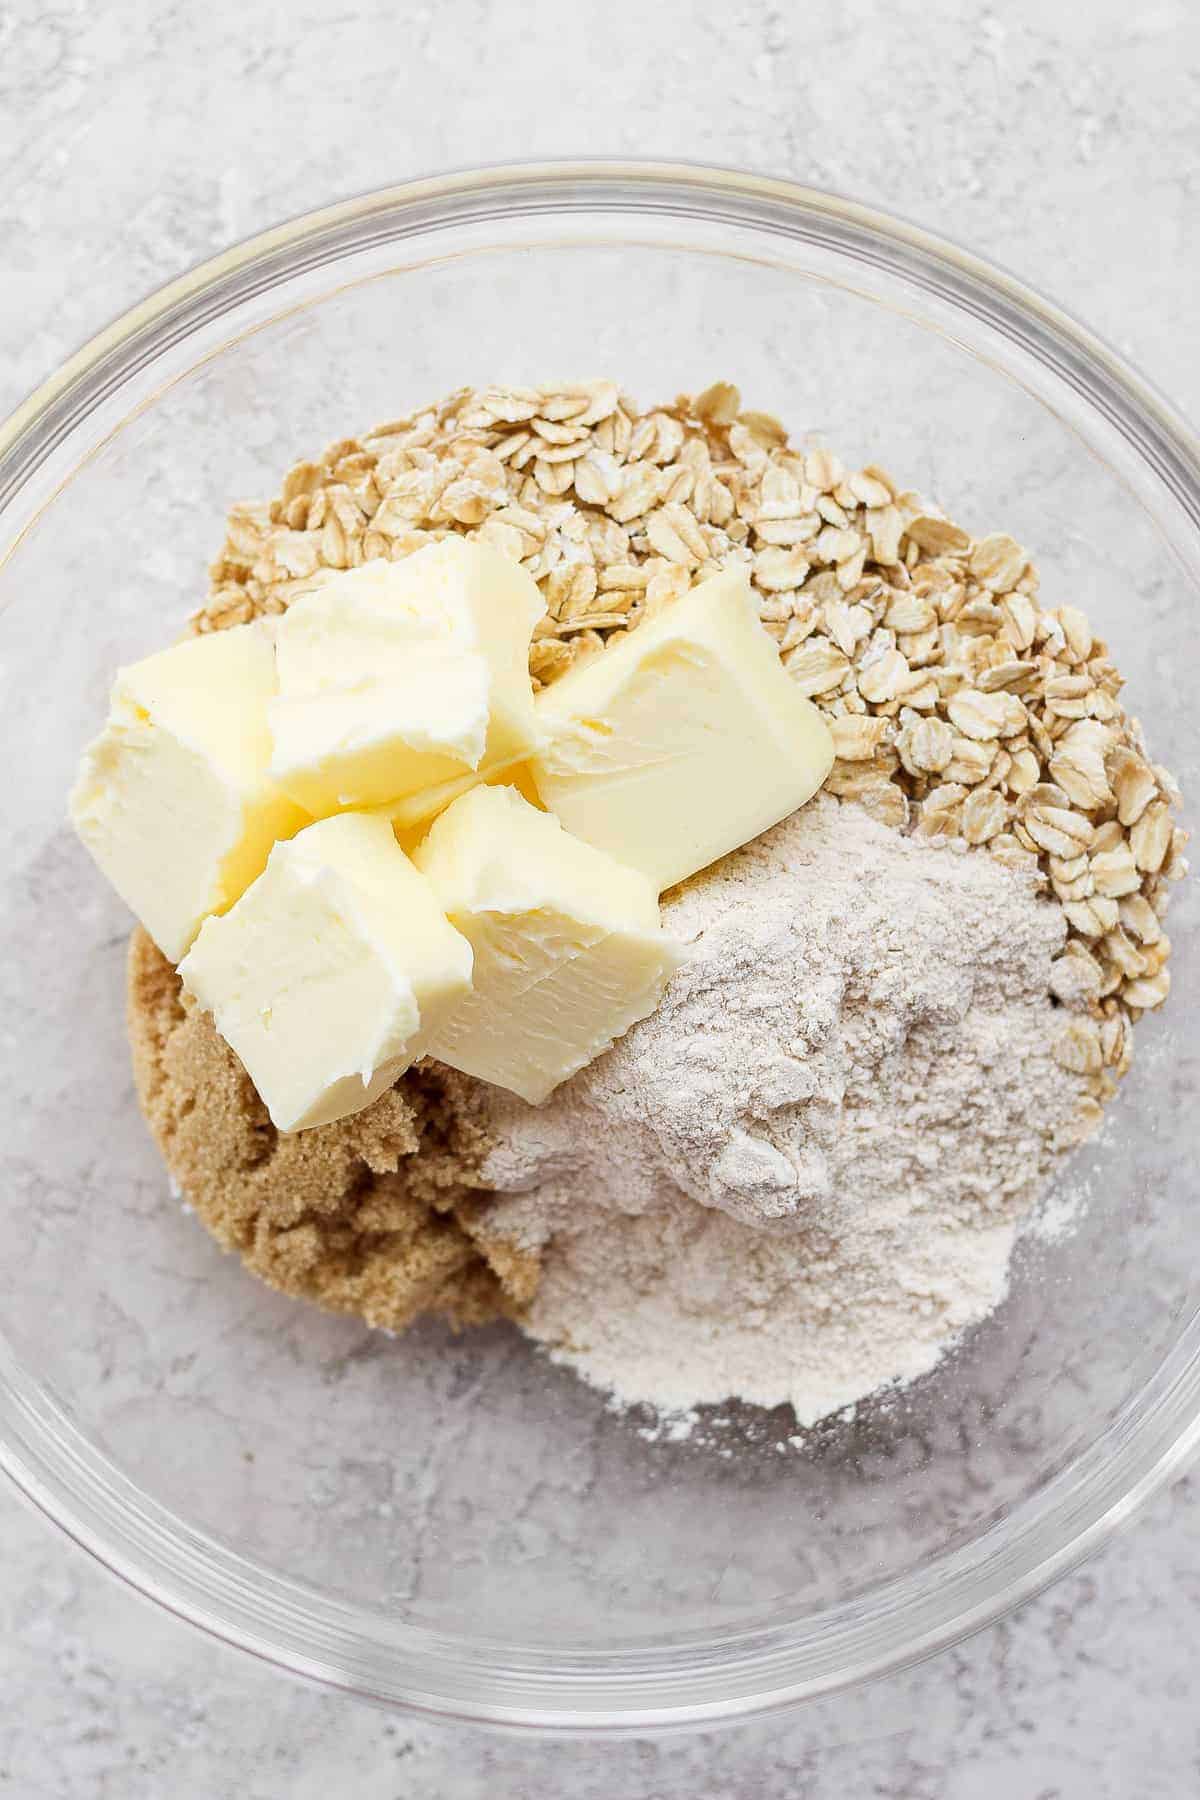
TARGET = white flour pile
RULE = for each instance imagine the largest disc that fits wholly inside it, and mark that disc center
(799, 1180)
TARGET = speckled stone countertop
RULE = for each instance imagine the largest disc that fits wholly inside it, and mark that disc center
(141, 135)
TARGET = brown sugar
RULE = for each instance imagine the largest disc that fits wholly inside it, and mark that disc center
(380, 1214)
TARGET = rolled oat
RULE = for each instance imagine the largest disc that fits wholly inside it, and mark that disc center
(960, 707)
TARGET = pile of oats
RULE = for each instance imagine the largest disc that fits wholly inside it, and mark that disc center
(959, 706)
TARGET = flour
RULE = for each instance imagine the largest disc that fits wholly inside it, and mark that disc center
(800, 1179)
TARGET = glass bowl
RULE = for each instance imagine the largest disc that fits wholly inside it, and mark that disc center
(452, 1524)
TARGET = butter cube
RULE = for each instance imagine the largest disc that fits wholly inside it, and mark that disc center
(328, 970)
(174, 799)
(684, 740)
(569, 951)
(416, 811)
(395, 677)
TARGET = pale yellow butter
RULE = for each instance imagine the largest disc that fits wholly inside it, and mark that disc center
(417, 811)
(174, 799)
(397, 677)
(569, 951)
(328, 970)
(684, 740)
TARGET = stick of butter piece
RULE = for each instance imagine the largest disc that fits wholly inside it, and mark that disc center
(328, 969)
(684, 740)
(569, 950)
(396, 677)
(174, 799)
(416, 811)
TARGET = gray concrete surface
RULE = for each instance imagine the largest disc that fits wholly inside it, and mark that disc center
(1062, 141)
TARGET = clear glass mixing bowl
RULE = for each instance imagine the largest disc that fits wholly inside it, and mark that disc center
(450, 1523)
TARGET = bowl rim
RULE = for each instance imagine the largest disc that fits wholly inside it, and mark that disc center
(730, 1676)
